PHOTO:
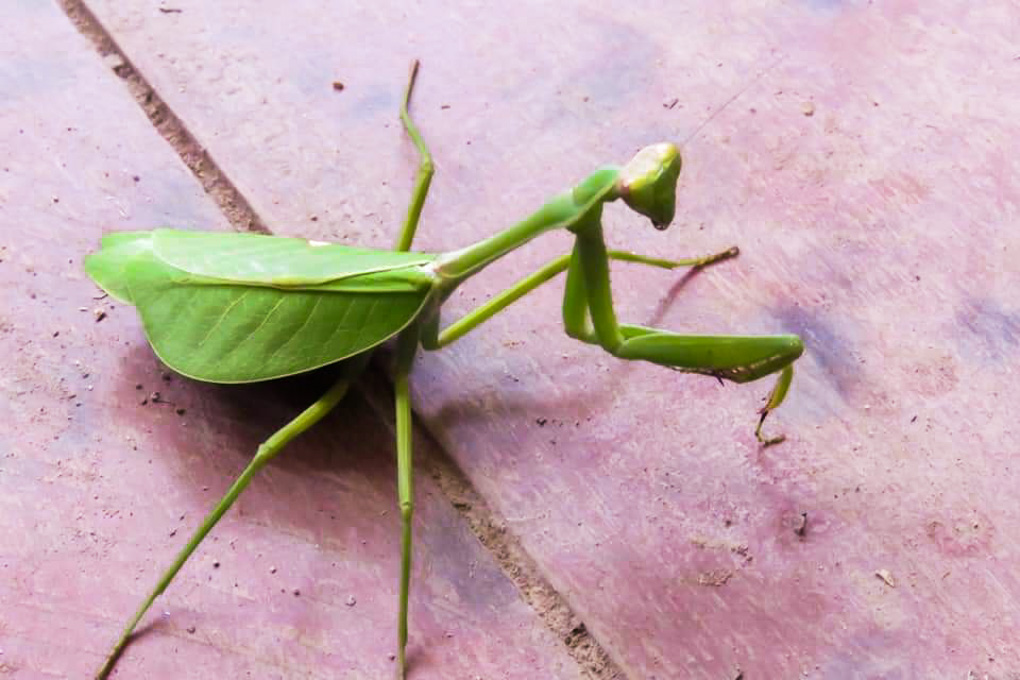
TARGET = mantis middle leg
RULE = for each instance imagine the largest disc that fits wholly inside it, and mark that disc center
(423, 177)
(433, 339)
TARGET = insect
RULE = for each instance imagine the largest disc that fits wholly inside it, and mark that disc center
(237, 308)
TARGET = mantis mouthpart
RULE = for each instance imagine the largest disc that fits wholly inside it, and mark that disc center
(238, 308)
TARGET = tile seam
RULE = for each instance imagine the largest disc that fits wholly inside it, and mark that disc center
(231, 202)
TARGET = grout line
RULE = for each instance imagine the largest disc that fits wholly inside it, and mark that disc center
(214, 181)
(491, 530)
(487, 526)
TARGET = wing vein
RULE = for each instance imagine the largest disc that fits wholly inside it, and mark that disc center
(297, 331)
(222, 316)
(265, 319)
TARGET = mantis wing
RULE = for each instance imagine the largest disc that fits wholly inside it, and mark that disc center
(243, 308)
(273, 260)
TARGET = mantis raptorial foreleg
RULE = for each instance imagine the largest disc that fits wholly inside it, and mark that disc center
(589, 316)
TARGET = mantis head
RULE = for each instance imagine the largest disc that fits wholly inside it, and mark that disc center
(648, 183)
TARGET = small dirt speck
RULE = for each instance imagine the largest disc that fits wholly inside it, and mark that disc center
(576, 634)
(800, 525)
(715, 579)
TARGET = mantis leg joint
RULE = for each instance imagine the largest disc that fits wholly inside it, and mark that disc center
(263, 454)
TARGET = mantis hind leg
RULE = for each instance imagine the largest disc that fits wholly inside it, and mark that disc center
(423, 178)
(265, 453)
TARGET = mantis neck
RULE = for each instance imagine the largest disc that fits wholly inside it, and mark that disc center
(566, 210)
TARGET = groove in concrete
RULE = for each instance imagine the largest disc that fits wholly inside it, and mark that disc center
(215, 182)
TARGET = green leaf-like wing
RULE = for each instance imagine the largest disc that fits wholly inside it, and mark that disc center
(273, 260)
(106, 267)
(225, 330)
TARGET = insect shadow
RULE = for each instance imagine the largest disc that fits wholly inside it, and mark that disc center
(211, 430)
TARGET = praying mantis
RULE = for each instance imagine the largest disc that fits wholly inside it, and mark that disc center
(241, 307)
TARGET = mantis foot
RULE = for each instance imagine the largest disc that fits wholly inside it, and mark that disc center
(727, 254)
(767, 442)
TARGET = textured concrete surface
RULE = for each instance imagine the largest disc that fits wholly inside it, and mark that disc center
(859, 154)
(100, 482)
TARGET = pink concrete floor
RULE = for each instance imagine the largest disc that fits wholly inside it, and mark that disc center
(862, 157)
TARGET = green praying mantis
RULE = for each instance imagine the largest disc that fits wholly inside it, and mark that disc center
(238, 308)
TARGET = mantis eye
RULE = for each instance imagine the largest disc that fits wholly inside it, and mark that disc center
(648, 183)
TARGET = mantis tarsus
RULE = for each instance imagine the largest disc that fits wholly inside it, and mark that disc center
(235, 308)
